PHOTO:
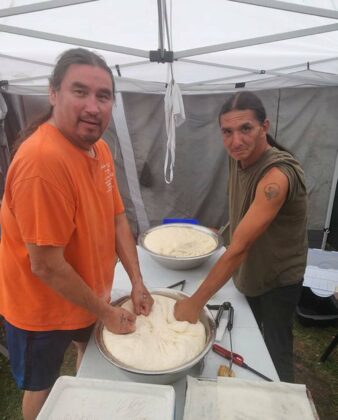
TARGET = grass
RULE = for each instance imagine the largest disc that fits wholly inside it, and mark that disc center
(320, 378)
(10, 396)
(310, 342)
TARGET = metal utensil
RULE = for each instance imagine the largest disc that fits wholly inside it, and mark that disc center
(229, 328)
(179, 283)
(223, 228)
(221, 323)
(237, 360)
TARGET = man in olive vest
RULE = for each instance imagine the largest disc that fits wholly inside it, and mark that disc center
(268, 229)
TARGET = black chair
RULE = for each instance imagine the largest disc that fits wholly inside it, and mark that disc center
(313, 310)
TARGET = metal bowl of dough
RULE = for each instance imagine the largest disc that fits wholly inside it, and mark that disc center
(178, 262)
(167, 376)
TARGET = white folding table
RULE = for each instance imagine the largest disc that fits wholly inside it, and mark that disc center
(246, 337)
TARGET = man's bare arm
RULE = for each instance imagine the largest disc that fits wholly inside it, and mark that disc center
(49, 265)
(126, 250)
(270, 195)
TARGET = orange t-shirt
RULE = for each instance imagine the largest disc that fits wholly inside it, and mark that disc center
(57, 195)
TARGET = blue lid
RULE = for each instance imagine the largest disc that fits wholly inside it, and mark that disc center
(178, 220)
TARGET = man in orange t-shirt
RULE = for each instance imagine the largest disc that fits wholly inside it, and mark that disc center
(63, 226)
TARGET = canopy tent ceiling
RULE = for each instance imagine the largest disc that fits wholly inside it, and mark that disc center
(218, 42)
(216, 46)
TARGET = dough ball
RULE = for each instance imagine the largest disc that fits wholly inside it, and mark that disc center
(159, 341)
(179, 242)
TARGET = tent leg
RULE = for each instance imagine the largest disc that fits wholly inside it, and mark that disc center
(329, 348)
(130, 165)
(330, 205)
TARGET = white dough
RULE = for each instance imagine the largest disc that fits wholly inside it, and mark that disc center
(159, 342)
(179, 242)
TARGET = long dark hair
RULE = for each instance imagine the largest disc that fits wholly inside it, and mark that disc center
(69, 57)
(245, 100)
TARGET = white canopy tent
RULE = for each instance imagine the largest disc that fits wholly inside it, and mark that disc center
(285, 50)
(214, 41)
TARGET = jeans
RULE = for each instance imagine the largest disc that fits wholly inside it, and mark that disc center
(274, 312)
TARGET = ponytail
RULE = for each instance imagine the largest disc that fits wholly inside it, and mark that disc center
(272, 142)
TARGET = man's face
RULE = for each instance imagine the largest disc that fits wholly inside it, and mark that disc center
(82, 106)
(244, 136)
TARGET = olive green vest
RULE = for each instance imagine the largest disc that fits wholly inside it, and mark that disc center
(278, 257)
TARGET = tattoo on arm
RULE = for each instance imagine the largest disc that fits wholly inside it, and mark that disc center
(271, 191)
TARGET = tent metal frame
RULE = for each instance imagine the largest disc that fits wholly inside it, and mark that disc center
(250, 71)
(38, 7)
(73, 41)
(161, 55)
(26, 60)
(291, 7)
(267, 39)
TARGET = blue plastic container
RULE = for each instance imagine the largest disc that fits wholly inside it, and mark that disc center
(191, 221)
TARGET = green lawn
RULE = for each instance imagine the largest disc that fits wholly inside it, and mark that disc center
(320, 378)
(10, 396)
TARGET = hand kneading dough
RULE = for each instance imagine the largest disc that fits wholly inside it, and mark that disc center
(179, 242)
(159, 342)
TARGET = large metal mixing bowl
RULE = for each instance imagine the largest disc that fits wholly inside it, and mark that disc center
(181, 263)
(162, 376)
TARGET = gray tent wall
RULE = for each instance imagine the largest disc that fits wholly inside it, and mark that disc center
(4, 150)
(302, 119)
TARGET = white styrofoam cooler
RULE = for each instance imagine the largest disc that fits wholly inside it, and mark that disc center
(74, 398)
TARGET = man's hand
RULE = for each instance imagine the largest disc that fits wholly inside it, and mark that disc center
(186, 310)
(119, 320)
(142, 299)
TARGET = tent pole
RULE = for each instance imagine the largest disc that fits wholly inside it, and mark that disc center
(254, 41)
(160, 25)
(74, 41)
(330, 205)
(289, 7)
(41, 6)
(256, 71)
(128, 155)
